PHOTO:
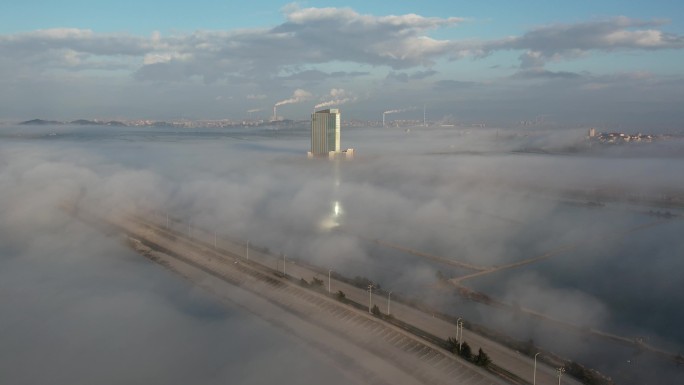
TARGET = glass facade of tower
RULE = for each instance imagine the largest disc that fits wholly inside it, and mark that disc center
(325, 131)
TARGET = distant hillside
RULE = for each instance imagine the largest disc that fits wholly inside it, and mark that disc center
(84, 122)
(80, 122)
(39, 122)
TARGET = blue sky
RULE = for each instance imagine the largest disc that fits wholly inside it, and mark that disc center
(226, 57)
(496, 17)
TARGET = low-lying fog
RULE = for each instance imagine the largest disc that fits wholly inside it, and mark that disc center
(78, 307)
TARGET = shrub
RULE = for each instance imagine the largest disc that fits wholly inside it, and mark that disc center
(482, 359)
(465, 351)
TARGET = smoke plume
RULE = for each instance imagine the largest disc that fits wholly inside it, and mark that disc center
(335, 102)
(400, 110)
(339, 95)
(298, 96)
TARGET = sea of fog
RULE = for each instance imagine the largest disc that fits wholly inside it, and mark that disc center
(76, 306)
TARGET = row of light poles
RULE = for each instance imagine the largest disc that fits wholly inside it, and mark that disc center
(246, 247)
(459, 322)
(168, 226)
(370, 294)
(370, 299)
(370, 287)
(216, 241)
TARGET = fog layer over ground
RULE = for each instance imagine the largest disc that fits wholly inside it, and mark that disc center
(78, 307)
(73, 294)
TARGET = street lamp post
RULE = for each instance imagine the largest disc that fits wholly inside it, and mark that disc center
(460, 324)
(389, 299)
(534, 374)
(215, 239)
(458, 338)
(560, 370)
(370, 297)
(329, 271)
(248, 249)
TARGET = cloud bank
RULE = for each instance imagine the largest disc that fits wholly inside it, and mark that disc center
(151, 75)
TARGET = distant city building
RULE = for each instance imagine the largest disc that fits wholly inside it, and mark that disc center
(620, 138)
(325, 132)
(348, 153)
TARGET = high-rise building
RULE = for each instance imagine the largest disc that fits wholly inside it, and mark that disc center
(325, 132)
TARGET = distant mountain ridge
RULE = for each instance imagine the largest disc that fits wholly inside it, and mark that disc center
(39, 122)
(82, 122)
(184, 123)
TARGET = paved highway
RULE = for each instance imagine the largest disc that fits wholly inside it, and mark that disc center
(510, 360)
(367, 349)
(514, 362)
